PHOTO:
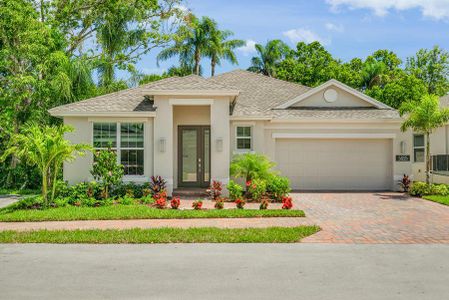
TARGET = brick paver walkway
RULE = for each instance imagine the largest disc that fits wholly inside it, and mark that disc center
(343, 217)
(374, 218)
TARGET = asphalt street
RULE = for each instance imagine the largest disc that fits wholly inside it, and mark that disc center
(224, 271)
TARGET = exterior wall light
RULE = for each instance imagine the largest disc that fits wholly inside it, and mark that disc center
(162, 144)
(219, 144)
(403, 147)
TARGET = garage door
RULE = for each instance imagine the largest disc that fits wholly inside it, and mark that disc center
(336, 164)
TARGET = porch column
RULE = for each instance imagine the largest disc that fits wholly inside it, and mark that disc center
(163, 142)
(220, 141)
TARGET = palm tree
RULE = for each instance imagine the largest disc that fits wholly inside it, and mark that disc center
(220, 48)
(45, 148)
(373, 73)
(191, 43)
(424, 117)
(268, 56)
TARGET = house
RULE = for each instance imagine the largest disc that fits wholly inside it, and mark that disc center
(187, 130)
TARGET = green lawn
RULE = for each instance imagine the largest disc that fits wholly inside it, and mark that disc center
(161, 235)
(122, 212)
(440, 199)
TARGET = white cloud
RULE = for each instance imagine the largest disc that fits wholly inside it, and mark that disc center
(249, 48)
(304, 35)
(436, 9)
(335, 27)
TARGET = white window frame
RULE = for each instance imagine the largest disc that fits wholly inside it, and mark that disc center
(119, 148)
(251, 138)
(423, 147)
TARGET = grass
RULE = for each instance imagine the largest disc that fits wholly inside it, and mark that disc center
(123, 212)
(161, 235)
(19, 192)
(437, 198)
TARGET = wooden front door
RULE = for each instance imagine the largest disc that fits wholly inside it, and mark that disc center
(193, 156)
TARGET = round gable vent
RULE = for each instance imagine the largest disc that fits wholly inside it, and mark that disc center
(330, 95)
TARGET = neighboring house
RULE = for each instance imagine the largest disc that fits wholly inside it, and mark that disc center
(187, 129)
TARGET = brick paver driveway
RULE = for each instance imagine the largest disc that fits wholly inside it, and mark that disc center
(374, 218)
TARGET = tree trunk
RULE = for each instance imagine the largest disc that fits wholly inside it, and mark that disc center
(44, 187)
(197, 62)
(428, 158)
(212, 67)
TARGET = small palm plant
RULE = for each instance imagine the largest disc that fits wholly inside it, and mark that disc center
(424, 117)
(46, 148)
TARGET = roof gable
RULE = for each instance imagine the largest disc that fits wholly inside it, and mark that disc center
(333, 94)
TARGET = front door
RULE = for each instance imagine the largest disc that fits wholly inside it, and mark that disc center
(193, 156)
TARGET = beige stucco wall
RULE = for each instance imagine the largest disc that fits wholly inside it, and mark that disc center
(345, 99)
(191, 110)
(79, 170)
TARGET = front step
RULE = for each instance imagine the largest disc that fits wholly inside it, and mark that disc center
(190, 193)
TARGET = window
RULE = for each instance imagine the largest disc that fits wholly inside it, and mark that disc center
(244, 138)
(127, 139)
(418, 148)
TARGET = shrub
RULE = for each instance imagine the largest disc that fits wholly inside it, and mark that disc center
(175, 202)
(33, 202)
(405, 183)
(106, 169)
(264, 204)
(160, 202)
(251, 166)
(147, 200)
(256, 188)
(198, 204)
(240, 203)
(131, 189)
(157, 185)
(278, 187)
(422, 189)
(219, 204)
(62, 202)
(287, 203)
(235, 190)
(215, 189)
(127, 200)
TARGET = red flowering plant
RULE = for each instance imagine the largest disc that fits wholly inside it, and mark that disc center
(175, 202)
(219, 204)
(287, 203)
(240, 203)
(161, 200)
(215, 190)
(198, 204)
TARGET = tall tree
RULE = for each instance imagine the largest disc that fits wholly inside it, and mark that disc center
(219, 47)
(191, 42)
(373, 73)
(268, 57)
(310, 65)
(424, 117)
(432, 67)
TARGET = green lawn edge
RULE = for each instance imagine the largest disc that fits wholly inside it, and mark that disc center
(16, 192)
(161, 235)
(122, 212)
(439, 199)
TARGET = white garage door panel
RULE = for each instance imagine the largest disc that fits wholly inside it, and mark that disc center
(317, 164)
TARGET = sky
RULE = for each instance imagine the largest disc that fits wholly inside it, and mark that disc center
(347, 28)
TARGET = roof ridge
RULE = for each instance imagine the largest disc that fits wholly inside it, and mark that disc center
(263, 76)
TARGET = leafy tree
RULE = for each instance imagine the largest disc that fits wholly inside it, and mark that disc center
(46, 148)
(432, 67)
(268, 57)
(219, 47)
(373, 74)
(388, 58)
(424, 117)
(106, 169)
(310, 65)
(191, 42)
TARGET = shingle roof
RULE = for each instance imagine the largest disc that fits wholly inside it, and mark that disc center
(132, 100)
(258, 93)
